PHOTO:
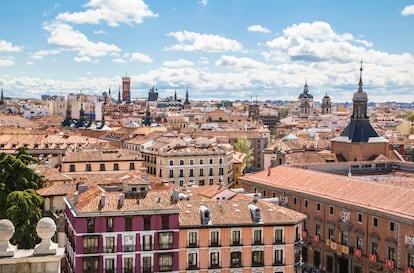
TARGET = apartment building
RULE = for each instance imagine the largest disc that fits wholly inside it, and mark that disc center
(352, 225)
(187, 161)
(259, 139)
(121, 232)
(108, 160)
(243, 235)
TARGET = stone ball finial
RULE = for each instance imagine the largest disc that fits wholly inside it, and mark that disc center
(6, 230)
(46, 228)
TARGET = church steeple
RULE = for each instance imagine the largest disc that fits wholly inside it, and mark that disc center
(360, 101)
(360, 84)
(147, 119)
(2, 96)
(175, 95)
(187, 101)
(119, 95)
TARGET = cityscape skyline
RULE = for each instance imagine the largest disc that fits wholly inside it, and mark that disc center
(217, 49)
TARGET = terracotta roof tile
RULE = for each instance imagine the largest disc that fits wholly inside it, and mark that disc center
(382, 197)
(235, 213)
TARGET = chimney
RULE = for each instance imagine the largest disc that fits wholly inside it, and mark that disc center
(205, 215)
(121, 199)
(256, 197)
(103, 199)
(175, 196)
(255, 213)
(75, 198)
(82, 187)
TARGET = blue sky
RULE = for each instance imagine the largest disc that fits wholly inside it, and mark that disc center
(219, 49)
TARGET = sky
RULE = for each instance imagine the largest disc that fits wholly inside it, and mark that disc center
(218, 49)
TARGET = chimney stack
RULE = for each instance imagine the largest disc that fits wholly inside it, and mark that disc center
(103, 199)
(75, 198)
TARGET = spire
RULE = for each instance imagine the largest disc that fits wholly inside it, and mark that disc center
(68, 111)
(147, 119)
(175, 95)
(186, 102)
(119, 95)
(360, 84)
(305, 87)
(2, 96)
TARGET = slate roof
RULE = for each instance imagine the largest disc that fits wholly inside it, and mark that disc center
(359, 131)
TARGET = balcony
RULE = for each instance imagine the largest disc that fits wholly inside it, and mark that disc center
(236, 264)
(165, 268)
(132, 270)
(144, 270)
(257, 264)
(278, 242)
(90, 250)
(193, 267)
(192, 244)
(110, 249)
(278, 263)
(214, 266)
(214, 243)
(146, 247)
(165, 245)
(236, 243)
(129, 248)
(258, 242)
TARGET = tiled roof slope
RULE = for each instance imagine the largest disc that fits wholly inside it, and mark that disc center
(236, 213)
(368, 194)
(89, 201)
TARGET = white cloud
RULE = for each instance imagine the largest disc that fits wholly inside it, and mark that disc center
(42, 53)
(69, 39)
(30, 63)
(84, 59)
(99, 32)
(192, 41)
(203, 2)
(408, 10)
(315, 42)
(240, 63)
(8, 47)
(7, 61)
(203, 61)
(139, 57)
(119, 61)
(258, 28)
(113, 12)
(178, 63)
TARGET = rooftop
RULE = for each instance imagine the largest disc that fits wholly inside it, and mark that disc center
(386, 198)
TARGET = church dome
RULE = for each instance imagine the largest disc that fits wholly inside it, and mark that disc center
(360, 96)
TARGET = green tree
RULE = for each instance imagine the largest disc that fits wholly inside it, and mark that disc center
(410, 116)
(24, 210)
(18, 180)
(283, 112)
(243, 145)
